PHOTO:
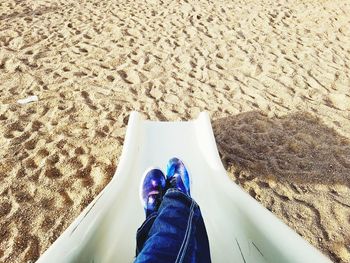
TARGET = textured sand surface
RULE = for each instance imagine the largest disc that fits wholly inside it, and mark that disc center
(274, 76)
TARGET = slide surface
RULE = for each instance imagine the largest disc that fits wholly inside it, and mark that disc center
(240, 230)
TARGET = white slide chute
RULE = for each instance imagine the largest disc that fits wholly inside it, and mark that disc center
(240, 230)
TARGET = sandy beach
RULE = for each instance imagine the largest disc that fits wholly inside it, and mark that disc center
(274, 77)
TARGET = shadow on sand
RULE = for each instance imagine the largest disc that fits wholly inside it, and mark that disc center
(297, 148)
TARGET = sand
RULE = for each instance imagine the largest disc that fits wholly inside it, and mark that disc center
(274, 76)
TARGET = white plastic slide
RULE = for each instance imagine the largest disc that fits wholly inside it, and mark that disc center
(240, 230)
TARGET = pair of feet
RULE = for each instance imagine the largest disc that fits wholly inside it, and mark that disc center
(155, 184)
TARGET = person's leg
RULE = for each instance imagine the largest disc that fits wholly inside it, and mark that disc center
(142, 232)
(175, 230)
(202, 251)
(152, 190)
(176, 233)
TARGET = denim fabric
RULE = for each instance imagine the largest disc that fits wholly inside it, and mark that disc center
(175, 233)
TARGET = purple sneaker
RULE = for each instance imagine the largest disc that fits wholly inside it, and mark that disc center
(152, 190)
(177, 176)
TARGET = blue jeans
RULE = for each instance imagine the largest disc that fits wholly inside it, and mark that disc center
(175, 233)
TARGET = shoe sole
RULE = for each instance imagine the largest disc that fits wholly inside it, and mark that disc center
(143, 179)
